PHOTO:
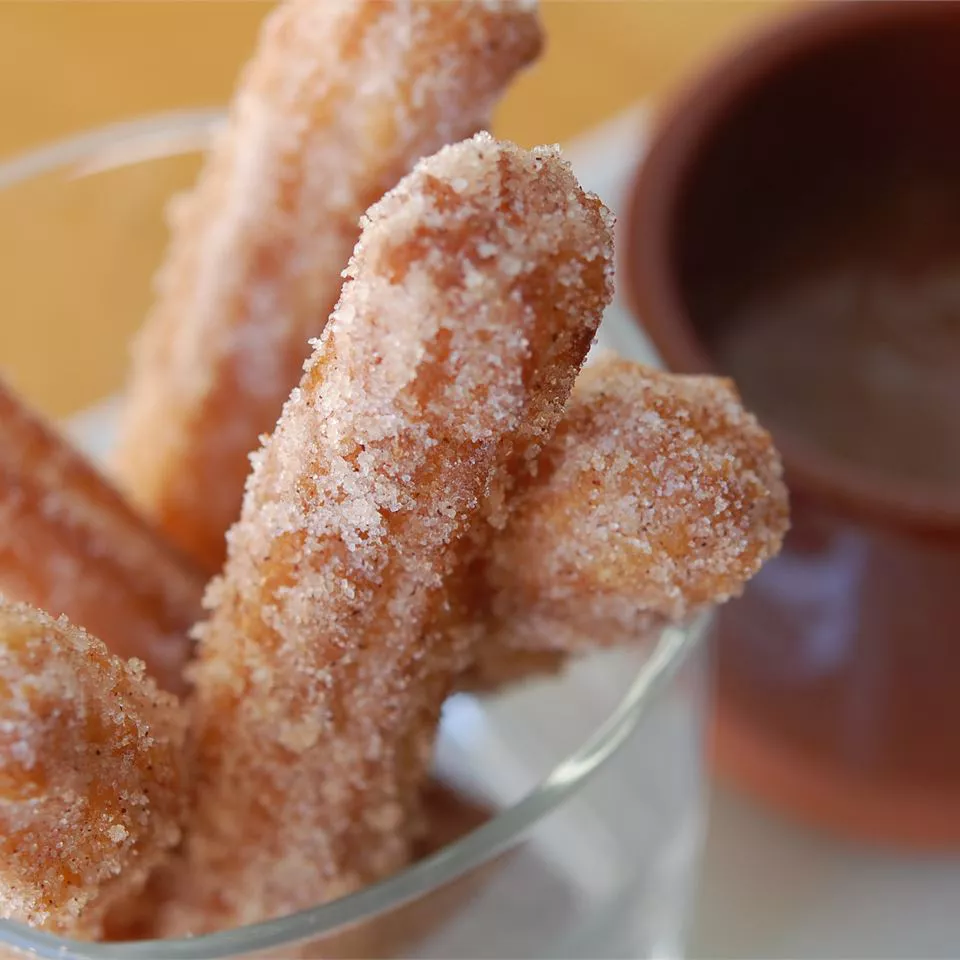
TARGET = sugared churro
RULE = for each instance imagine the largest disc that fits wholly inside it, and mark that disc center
(70, 545)
(91, 774)
(657, 496)
(339, 101)
(448, 816)
(471, 300)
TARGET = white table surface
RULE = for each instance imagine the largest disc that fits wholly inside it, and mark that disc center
(772, 888)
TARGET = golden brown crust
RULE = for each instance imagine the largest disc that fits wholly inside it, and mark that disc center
(471, 300)
(657, 496)
(338, 102)
(401, 932)
(71, 545)
(92, 783)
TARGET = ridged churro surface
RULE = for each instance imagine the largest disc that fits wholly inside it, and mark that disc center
(69, 544)
(657, 496)
(471, 300)
(92, 785)
(338, 102)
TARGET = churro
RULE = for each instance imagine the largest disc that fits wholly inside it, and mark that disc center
(70, 545)
(91, 774)
(448, 816)
(338, 102)
(471, 299)
(658, 495)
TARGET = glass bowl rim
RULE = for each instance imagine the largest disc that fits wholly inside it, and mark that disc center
(166, 135)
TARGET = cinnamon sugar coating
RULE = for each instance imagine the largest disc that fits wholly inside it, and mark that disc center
(658, 495)
(69, 544)
(471, 300)
(339, 100)
(92, 785)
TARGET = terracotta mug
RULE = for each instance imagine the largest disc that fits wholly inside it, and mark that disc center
(796, 225)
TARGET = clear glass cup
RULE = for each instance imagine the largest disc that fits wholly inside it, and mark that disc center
(594, 782)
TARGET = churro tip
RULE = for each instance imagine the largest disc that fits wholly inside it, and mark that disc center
(92, 774)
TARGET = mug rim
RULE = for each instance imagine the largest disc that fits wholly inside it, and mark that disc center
(175, 133)
(652, 291)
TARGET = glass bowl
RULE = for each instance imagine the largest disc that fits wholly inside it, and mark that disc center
(591, 784)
